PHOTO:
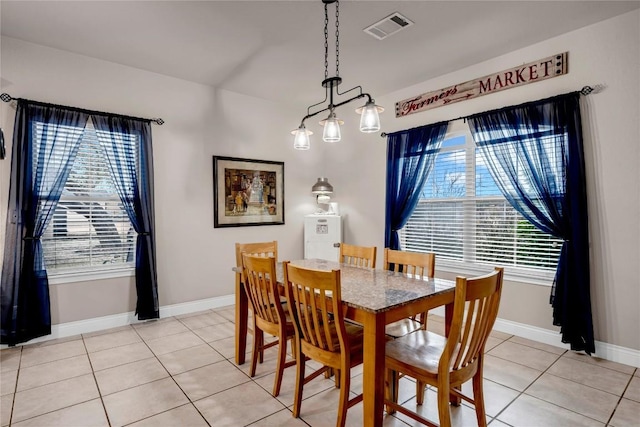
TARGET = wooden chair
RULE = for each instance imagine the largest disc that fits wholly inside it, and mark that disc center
(265, 249)
(358, 256)
(269, 316)
(314, 302)
(414, 263)
(447, 363)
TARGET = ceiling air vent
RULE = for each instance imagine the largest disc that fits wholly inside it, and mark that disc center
(388, 26)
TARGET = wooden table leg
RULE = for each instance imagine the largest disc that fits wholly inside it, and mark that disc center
(242, 315)
(373, 386)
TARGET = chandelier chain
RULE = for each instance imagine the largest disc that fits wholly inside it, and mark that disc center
(338, 38)
(326, 42)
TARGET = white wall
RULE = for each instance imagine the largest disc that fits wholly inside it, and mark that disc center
(607, 53)
(194, 259)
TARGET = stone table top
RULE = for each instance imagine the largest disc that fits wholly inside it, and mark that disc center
(376, 290)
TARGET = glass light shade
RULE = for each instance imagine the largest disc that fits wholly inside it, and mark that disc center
(369, 119)
(301, 138)
(331, 132)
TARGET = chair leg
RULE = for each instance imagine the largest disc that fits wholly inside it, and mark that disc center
(443, 405)
(282, 355)
(423, 319)
(297, 397)
(420, 386)
(392, 383)
(336, 377)
(328, 373)
(293, 347)
(257, 349)
(478, 397)
(345, 382)
(454, 399)
(261, 354)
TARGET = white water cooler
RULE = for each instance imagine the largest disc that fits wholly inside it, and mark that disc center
(322, 236)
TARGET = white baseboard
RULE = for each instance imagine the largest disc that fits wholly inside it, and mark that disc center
(195, 306)
(69, 329)
(604, 350)
(612, 352)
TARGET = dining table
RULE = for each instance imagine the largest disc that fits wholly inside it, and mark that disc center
(373, 298)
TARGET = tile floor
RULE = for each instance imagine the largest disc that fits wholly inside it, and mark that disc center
(180, 371)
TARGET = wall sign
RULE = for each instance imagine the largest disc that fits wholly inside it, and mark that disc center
(547, 68)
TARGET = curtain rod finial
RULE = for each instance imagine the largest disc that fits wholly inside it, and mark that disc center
(6, 97)
(586, 90)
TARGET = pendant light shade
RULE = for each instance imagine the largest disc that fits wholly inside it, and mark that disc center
(369, 119)
(331, 132)
(301, 138)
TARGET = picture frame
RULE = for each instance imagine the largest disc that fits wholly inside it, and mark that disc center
(247, 192)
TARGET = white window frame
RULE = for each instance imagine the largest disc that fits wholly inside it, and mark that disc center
(86, 274)
(511, 273)
(61, 278)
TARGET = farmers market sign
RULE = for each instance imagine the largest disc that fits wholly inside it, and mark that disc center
(547, 68)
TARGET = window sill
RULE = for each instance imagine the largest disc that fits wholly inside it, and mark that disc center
(57, 278)
(529, 276)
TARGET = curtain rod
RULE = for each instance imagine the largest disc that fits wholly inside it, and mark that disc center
(586, 90)
(8, 98)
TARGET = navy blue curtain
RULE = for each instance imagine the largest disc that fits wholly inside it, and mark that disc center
(535, 155)
(45, 144)
(410, 157)
(127, 146)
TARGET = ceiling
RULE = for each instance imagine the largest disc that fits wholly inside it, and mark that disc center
(275, 49)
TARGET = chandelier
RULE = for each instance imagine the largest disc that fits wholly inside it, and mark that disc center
(369, 119)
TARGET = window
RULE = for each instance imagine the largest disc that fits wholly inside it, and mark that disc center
(463, 218)
(90, 230)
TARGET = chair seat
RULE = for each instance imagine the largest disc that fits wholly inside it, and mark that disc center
(402, 327)
(420, 350)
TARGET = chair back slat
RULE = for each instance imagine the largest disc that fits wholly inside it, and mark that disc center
(325, 321)
(476, 331)
(306, 316)
(261, 287)
(358, 256)
(467, 328)
(314, 300)
(475, 310)
(414, 263)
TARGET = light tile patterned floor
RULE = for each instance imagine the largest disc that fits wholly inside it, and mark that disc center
(180, 371)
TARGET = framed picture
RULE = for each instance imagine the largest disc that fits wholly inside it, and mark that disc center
(247, 192)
